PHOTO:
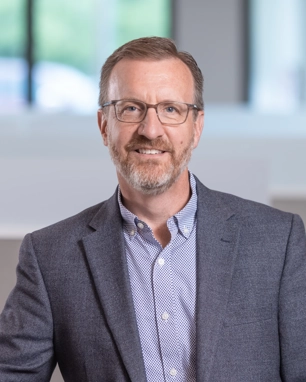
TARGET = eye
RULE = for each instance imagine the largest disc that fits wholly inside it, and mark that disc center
(170, 109)
(130, 108)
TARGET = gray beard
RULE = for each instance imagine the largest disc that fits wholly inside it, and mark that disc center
(145, 177)
(145, 182)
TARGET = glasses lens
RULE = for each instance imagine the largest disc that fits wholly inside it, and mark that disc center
(172, 112)
(130, 111)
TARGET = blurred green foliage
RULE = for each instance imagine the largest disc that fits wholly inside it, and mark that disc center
(12, 28)
(65, 31)
(138, 18)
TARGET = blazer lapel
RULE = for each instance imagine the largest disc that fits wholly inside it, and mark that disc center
(217, 240)
(106, 258)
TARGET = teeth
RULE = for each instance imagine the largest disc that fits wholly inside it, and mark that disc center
(143, 151)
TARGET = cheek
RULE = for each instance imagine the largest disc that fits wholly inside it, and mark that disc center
(187, 139)
(119, 140)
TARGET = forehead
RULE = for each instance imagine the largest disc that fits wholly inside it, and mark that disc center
(147, 80)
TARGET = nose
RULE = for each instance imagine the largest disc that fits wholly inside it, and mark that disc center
(151, 127)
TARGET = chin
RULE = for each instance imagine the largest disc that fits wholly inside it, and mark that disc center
(150, 180)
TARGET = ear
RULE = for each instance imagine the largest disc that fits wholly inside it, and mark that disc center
(198, 128)
(102, 123)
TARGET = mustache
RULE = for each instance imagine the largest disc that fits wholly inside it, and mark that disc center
(143, 142)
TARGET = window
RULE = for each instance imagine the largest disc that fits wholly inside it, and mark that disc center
(278, 59)
(71, 40)
(12, 67)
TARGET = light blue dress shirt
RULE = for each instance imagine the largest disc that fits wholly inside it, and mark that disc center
(163, 284)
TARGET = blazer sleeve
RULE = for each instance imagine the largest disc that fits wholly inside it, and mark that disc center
(292, 306)
(26, 327)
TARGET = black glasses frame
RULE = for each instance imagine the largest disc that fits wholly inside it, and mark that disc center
(148, 106)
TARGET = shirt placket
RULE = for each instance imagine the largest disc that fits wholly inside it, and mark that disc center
(165, 313)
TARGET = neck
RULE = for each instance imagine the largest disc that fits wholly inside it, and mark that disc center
(155, 210)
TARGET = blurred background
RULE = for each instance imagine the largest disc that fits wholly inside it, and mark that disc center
(52, 160)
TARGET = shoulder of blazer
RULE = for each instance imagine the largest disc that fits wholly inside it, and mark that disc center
(85, 222)
(215, 202)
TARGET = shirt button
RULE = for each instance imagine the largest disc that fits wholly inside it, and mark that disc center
(161, 261)
(140, 225)
(186, 230)
(173, 372)
(132, 233)
(165, 316)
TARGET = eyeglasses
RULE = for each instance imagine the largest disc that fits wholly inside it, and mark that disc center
(168, 112)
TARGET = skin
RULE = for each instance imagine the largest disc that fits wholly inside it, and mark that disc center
(152, 82)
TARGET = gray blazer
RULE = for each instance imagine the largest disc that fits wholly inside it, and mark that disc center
(72, 303)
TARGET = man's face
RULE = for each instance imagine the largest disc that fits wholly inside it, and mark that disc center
(149, 156)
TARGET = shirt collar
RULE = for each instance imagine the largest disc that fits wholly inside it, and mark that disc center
(184, 219)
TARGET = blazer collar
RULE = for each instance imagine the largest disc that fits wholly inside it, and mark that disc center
(217, 240)
(106, 258)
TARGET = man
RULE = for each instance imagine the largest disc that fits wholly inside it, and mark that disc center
(167, 280)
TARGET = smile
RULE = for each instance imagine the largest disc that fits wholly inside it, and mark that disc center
(149, 151)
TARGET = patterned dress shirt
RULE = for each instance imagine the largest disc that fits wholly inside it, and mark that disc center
(163, 284)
